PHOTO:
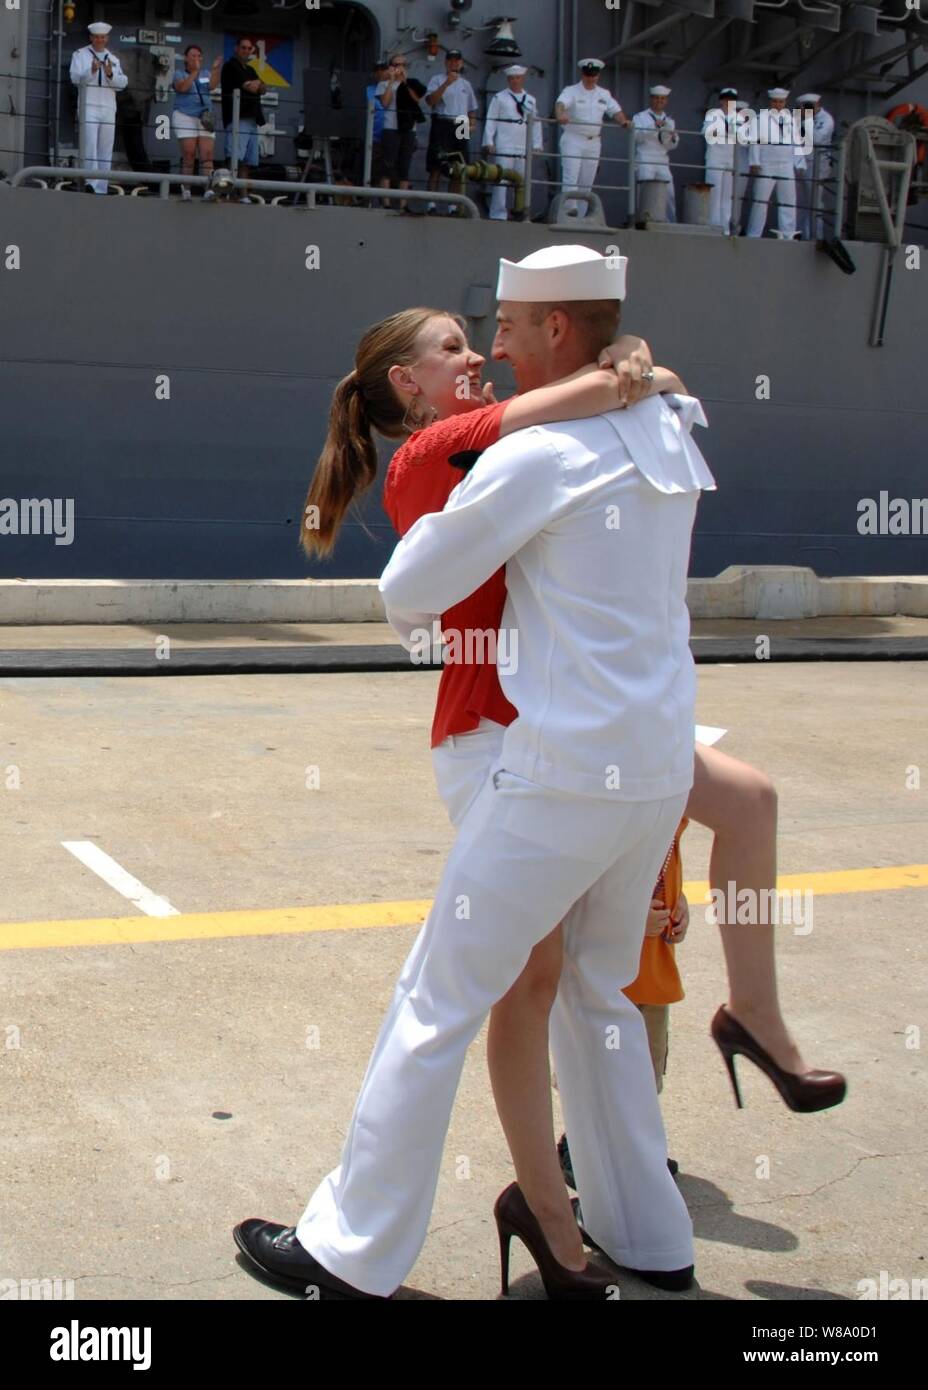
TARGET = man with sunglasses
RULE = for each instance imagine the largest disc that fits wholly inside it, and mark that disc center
(237, 73)
(399, 96)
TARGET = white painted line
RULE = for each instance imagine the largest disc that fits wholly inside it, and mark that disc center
(112, 873)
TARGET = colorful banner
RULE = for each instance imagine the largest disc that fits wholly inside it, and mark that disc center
(273, 61)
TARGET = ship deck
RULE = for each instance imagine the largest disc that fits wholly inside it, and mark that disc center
(158, 1082)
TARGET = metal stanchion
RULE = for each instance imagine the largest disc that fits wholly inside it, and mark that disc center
(368, 143)
(236, 109)
(529, 160)
(839, 189)
(81, 125)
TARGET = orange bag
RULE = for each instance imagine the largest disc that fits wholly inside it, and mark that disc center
(658, 979)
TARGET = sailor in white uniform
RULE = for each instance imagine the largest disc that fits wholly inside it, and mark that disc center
(774, 160)
(505, 132)
(98, 76)
(656, 137)
(581, 110)
(742, 167)
(810, 190)
(720, 132)
(572, 823)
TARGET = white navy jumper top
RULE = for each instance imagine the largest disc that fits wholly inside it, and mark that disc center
(592, 519)
(83, 75)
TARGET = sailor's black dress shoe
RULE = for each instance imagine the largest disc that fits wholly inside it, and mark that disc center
(676, 1280)
(276, 1251)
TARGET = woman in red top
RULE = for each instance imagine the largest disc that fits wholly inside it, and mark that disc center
(415, 372)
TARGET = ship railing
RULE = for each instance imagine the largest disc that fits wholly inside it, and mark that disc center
(819, 184)
(58, 178)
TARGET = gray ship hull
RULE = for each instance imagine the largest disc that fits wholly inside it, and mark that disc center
(216, 301)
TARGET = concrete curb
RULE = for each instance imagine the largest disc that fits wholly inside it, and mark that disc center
(355, 660)
(761, 592)
(786, 591)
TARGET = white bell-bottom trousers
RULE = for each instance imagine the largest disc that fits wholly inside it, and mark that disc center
(97, 131)
(500, 193)
(783, 187)
(524, 858)
(720, 199)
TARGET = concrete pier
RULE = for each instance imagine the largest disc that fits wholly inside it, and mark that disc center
(183, 1044)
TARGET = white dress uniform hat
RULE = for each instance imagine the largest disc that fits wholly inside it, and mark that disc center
(562, 273)
(99, 28)
(778, 93)
(728, 92)
(591, 63)
(659, 91)
(515, 71)
(810, 97)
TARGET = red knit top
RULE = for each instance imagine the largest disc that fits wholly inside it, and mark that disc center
(423, 473)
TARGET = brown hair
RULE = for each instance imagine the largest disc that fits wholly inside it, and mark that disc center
(597, 320)
(364, 401)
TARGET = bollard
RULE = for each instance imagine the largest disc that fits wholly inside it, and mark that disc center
(696, 203)
(651, 200)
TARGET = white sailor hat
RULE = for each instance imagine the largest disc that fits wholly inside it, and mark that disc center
(99, 28)
(660, 91)
(728, 92)
(562, 272)
(778, 93)
(517, 70)
(596, 63)
(810, 97)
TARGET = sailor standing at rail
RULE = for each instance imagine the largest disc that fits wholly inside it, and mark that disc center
(742, 167)
(656, 137)
(720, 132)
(506, 131)
(98, 76)
(809, 186)
(775, 157)
(581, 110)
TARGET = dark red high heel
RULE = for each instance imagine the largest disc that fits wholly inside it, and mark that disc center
(804, 1092)
(514, 1217)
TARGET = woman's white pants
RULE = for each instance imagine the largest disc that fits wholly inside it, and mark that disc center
(526, 857)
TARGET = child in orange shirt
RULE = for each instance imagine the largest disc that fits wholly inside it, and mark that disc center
(657, 984)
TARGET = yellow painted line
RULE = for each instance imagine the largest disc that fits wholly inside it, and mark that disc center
(283, 921)
(202, 926)
(840, 881)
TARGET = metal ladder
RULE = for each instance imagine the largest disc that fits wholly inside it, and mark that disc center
(881, 182)
(41, 77)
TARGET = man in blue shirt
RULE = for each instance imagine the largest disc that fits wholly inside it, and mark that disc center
(380, 72)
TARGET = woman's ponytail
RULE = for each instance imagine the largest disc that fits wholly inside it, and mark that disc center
(364, 401)
(347, 466)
